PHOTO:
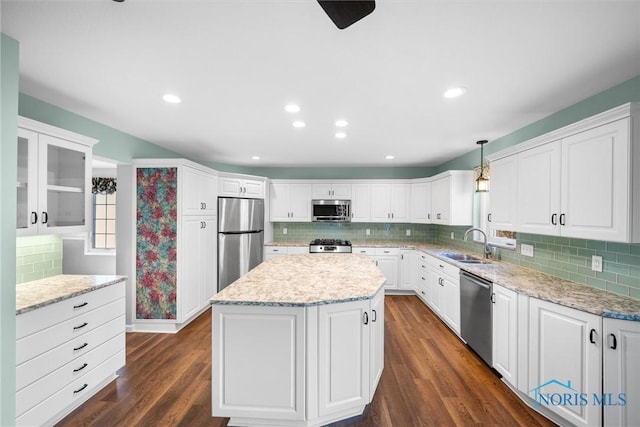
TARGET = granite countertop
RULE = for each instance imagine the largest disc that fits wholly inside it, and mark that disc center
(526, 281)
(305, 280)
(39, 293)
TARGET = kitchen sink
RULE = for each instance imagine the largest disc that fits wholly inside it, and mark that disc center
(464, 258)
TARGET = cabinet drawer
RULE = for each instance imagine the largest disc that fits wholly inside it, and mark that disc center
(365, 251)
(41, 318)
(71, 372)
(278, 250)
(36, 368)
(387, 251)
(46, 339)
(74, 393)
(422, 286)
(445, 267)
(298, 250)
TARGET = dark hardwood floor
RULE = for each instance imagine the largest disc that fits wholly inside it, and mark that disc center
(430, 379)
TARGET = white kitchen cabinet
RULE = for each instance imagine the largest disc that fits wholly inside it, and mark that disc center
(53, 179)
(407, 269)
(505, 333)
(376, 347)
(565, 356)
(387, 260)
(271, 252)
(503, 195)
(331, 190)
(422, 277)
(421, 202)
(445, 292)
(621, 371)
(66, 352)
(360, 202)
(290, 201)
(199, 192)
(197, 282)
(390, 202)
(452, 198)
(240, 186)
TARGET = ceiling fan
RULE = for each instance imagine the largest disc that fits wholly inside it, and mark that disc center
(345, 12)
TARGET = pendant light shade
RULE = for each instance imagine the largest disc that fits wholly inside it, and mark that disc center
(482, 181)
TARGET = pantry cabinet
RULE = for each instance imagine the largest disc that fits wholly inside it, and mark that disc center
(240, 186)
(53, 179)
(290, 201)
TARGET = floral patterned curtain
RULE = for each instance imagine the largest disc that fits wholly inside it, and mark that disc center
(103, 185)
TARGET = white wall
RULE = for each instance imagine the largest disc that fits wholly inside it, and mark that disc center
(75, 261)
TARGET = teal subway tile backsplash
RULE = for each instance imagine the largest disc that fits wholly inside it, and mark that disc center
(38, 257)
(303, 231)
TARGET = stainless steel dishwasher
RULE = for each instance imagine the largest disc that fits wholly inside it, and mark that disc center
(476, 314)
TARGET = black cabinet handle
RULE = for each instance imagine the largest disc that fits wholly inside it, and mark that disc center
(45, 217)
(489, 218)
(80, 305)
(615, 342)
(34, 217)
(75, 328)
(591, 336)
(80, 389)
(375, 315)
(84, 365)
(493, 297)
(366, 318)
(81, 347)
(562, 219)
(554, 219)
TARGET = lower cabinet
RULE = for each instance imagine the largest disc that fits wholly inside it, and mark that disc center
(421, 277)
(505, 333)
(445, 292)
(565, 361)
(66, 352)
(271, 252)
(407, 270)
(621, 372)
(387, 260)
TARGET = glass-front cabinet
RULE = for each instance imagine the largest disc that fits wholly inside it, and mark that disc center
(54, 178)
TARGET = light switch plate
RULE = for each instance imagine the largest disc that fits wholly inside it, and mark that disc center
(408, 232)
(596, 263)
(368, 232)
(284, 230)
(526, 250)
(453, 236)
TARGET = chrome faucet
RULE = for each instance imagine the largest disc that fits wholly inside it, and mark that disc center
(487, 250)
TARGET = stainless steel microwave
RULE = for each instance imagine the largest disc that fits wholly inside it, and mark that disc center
(330, 210)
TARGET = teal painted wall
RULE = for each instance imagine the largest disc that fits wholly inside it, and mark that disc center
(9, 54)
(628, 91)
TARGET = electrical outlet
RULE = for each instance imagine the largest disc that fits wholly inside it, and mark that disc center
(284, 230)
(367, 232)
(526, 250)
(596, 263)
(453, 236)
(408, 232)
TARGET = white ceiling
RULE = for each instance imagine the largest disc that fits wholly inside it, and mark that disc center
(235, 64)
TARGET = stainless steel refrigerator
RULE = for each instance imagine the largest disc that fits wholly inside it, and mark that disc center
(240, 237)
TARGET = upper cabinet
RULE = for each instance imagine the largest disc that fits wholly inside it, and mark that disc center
(231, 185)
(199, 192)
(421, 202)
(290, 201)
(452, 198)
(53, 179)
(331, 190)
(361, 202)
(573, 182)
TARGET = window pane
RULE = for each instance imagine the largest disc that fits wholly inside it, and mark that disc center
(111, 241)
(100, 240)
(111, 211)
(111, 226)
(101, 227)
(101, 212)
(111, 199)
(101, 199)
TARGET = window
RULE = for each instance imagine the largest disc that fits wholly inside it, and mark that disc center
(104, 221)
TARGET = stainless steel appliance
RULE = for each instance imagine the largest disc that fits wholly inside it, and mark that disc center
(330, 210)
(476, 311)
(330, 246)
(240, 237)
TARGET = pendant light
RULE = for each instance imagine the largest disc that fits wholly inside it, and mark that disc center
(482, 182)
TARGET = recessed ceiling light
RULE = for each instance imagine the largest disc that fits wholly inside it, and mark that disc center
(292, 108)
(341, 123)
(389, 157)
(341, 135)
(455, 92)
(171, 98)
(299, 124)
(255, 157)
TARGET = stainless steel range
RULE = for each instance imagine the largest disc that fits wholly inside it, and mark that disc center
(330, 246)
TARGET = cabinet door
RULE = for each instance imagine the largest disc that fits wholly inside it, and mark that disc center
(380, 203)
(321, 190)
(399, 195)
(361, 203)
(505, 332)
(341, 191)
(437, 291)
(539, 189)
(451, 302)
(343, 356)
(407, 270)
(421, 203)
(27, 183)
(440, 197)
(377, 341)
(208, 257)
(190, 263)
(300, 202)
(622, 372)
(565, 358)
(280, 206)
(199, 191)
(230, 186)
(595, 183)
(253, 189)
(64, 172)
(504, 193)
(389, 267)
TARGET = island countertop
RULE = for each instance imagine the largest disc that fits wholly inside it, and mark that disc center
(305, 280)
(42, 292)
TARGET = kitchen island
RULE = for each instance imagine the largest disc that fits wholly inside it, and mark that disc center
(298, 341)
